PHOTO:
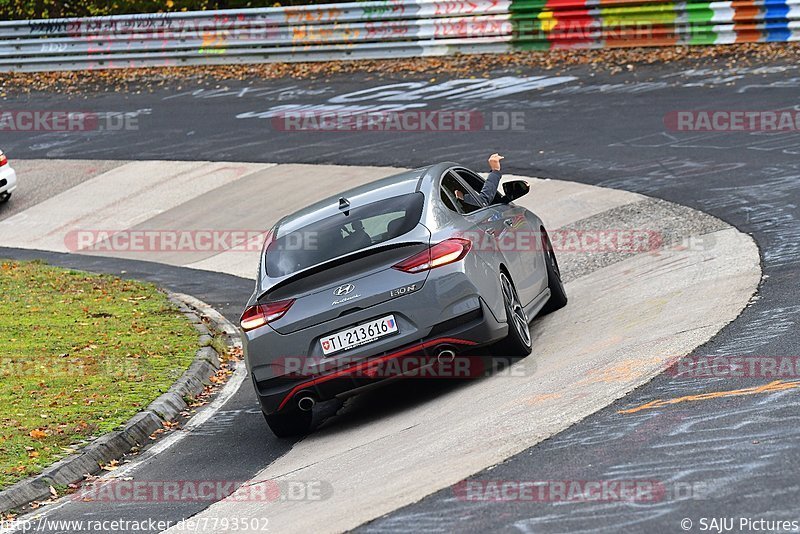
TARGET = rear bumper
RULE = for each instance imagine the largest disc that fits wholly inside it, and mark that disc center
(8, 179)
(471, 330)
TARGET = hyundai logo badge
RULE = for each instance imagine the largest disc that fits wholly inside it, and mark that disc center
(343, 290)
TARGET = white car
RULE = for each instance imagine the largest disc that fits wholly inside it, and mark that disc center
(8, 178)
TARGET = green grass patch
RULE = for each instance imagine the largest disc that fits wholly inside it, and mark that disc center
(79, 355)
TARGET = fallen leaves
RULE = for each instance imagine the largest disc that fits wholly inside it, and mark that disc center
(217, 378)
(110, 466)
(235, 353)
(37, 434)
(611, 60)
(53, 496)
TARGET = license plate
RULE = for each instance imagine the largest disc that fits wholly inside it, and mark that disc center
(358, 335)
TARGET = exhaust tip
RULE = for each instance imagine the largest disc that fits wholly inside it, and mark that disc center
(445, 355)
(306, 403)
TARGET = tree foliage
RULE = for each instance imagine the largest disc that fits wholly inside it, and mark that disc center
(48, 9)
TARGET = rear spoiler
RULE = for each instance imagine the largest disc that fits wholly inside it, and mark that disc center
(334, 262)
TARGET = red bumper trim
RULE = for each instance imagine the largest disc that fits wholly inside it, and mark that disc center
(363, 365)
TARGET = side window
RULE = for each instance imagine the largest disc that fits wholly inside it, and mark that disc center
(476, 183)
(449, 201)
(457, 197)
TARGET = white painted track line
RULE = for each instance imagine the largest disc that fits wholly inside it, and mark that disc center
(117, 200)
(622, 325)
(186, 196)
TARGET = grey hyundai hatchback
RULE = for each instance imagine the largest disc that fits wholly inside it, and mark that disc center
(388, 279)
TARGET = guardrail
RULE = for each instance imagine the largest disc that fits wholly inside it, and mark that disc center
(385, 29)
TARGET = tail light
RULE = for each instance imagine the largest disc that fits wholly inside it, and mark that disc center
(261, 314)
(3, 159)
(448, 251)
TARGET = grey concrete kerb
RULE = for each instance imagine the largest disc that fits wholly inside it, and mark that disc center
(137, 430)
(631, 314)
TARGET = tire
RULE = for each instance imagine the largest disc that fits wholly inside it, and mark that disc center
(518, 342)
(558, 296)
(4, 197)
(289, 423)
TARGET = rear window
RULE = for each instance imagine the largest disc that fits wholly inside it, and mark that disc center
(342, 234)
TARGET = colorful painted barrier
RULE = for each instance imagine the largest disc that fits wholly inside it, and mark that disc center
(386, 28)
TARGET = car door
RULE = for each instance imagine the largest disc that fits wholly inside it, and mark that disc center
(485, 274)
(517, 241)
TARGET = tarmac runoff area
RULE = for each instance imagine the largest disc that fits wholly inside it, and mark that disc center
(632, 309)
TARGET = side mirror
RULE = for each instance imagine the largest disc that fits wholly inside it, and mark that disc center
(514, 189)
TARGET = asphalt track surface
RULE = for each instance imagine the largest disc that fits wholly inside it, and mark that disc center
(738, 452)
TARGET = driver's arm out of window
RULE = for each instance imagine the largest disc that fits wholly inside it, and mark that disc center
(489, 188)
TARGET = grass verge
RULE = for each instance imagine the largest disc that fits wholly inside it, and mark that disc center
(79, 355)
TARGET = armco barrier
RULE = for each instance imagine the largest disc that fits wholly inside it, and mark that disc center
(385, 29)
